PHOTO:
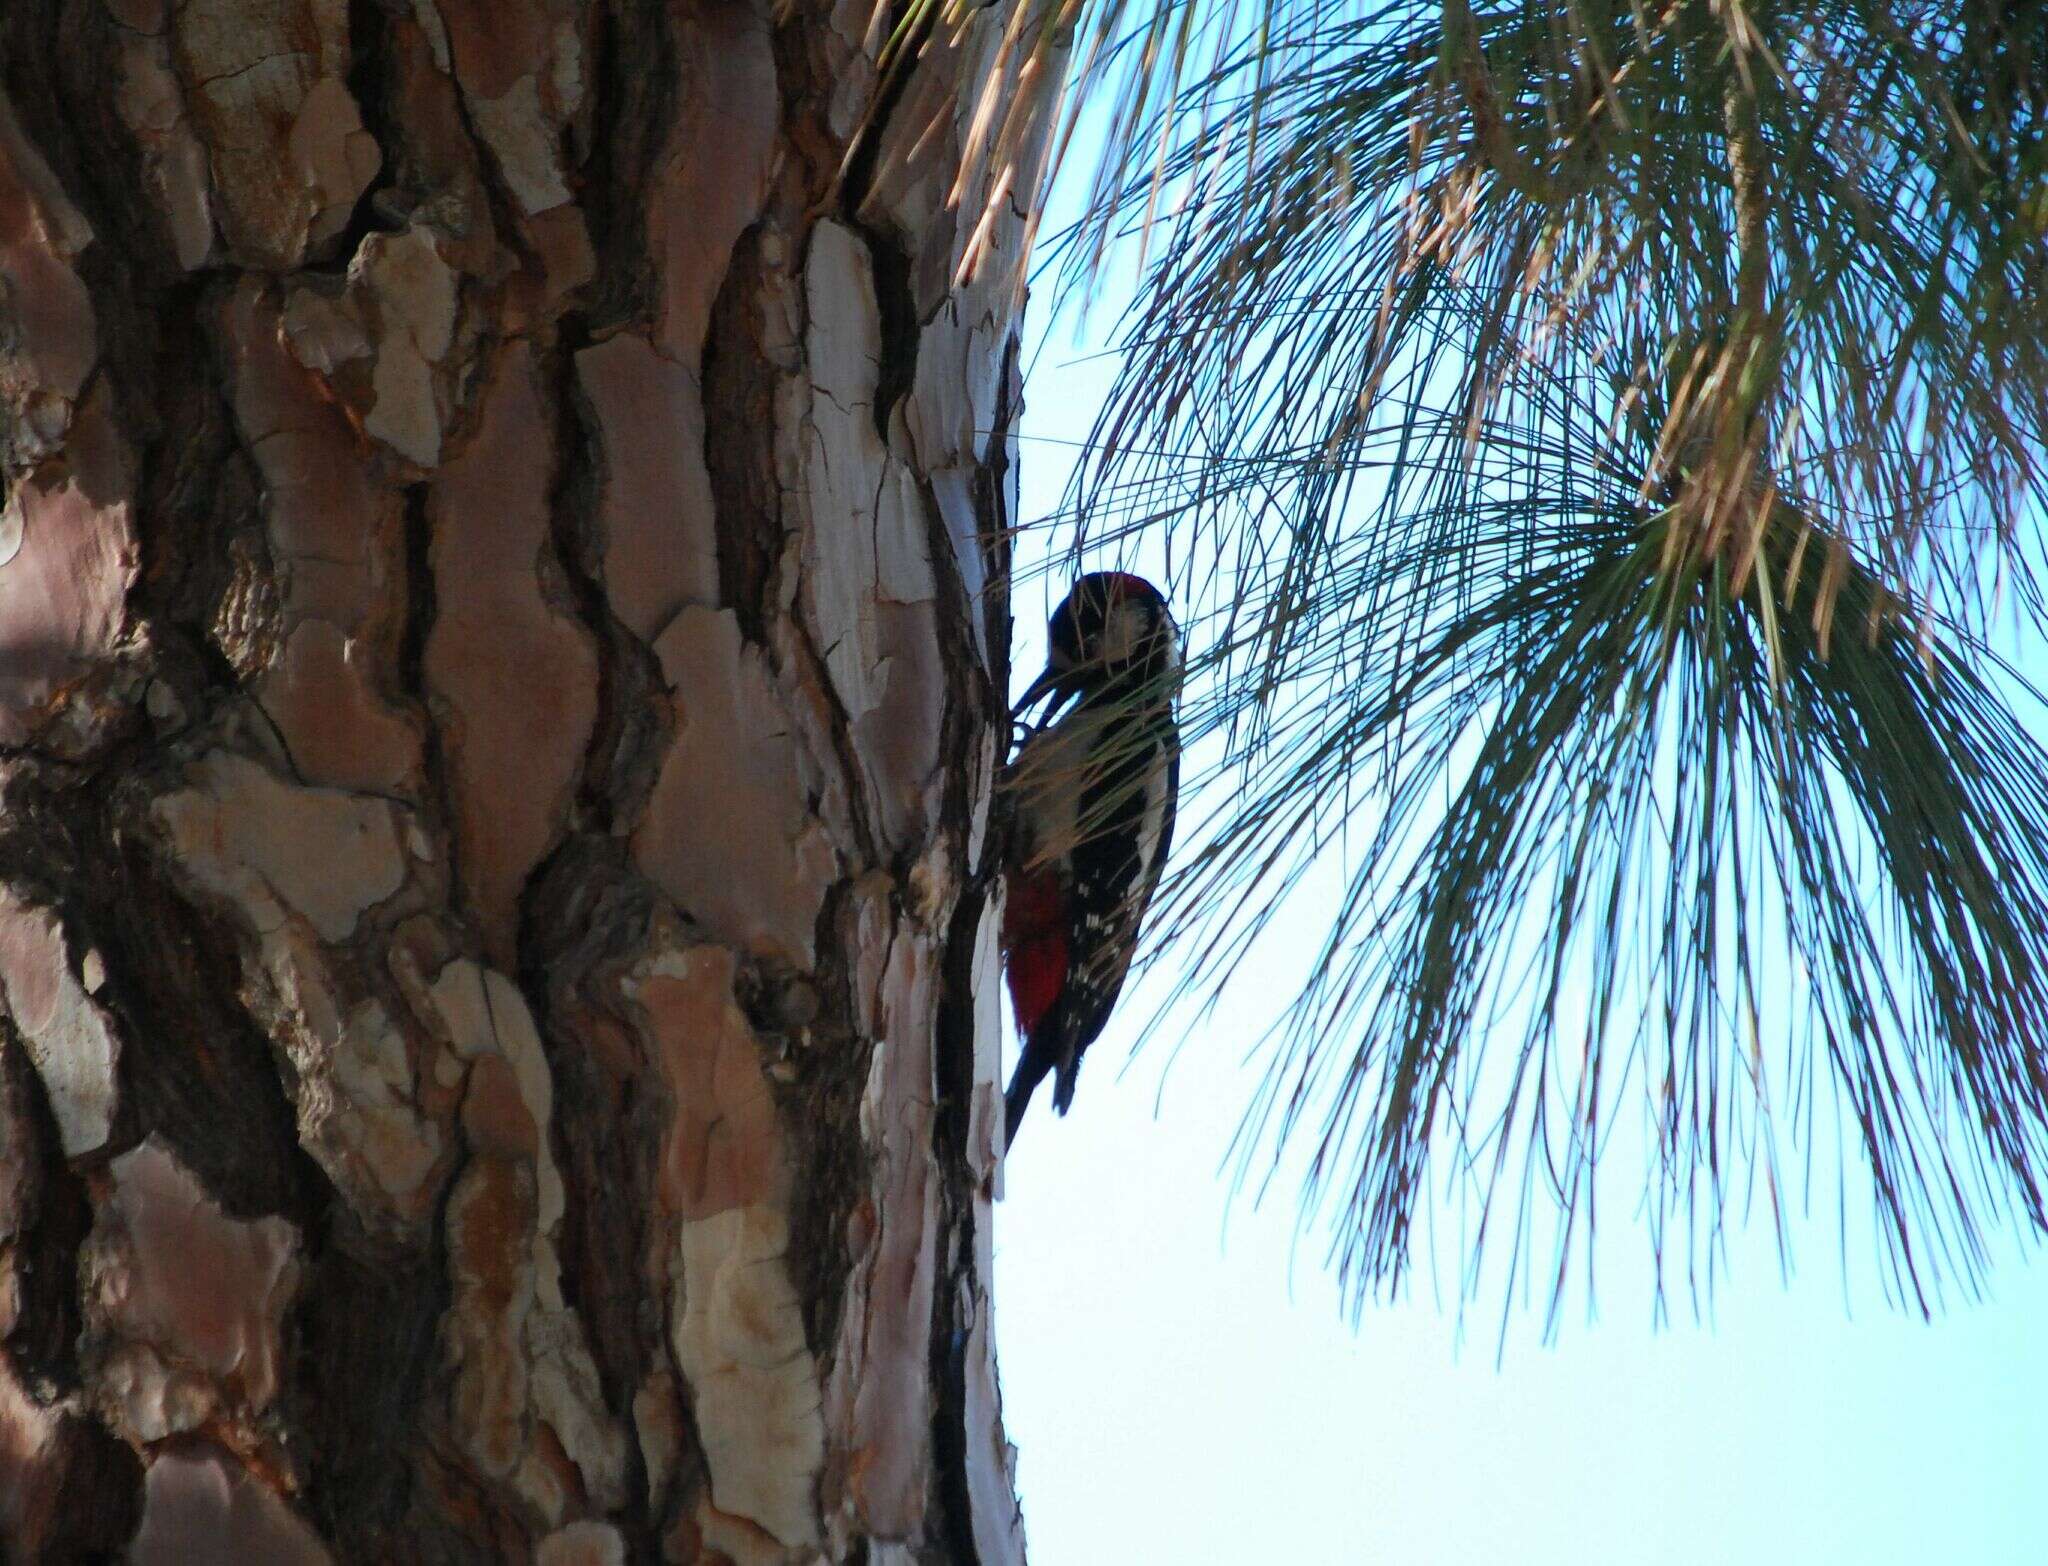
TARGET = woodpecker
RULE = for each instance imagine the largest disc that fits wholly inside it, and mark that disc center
(1094, 791)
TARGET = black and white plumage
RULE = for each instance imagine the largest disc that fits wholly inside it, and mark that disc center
(1094, 791)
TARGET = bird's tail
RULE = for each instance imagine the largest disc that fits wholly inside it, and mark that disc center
(1063, 1083)
(1023, 1082)
(1031, 1070)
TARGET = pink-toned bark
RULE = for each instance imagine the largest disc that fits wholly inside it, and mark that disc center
(502, 537)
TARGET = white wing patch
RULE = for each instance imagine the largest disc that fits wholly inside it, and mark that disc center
(1154, 818)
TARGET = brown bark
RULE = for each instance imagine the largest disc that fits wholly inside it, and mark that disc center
(501, 649)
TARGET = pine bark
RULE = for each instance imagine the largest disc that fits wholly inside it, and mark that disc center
(502, 642)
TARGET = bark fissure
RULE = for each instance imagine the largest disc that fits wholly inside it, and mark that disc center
(571, 503)
(586, 909)
(369, 83)
(636, 69)
(739, 423)
(419, 596)
(994, 525)
(952, 1488)
(632, 729)
(901, 328)
(43, 1223)
(80, 1492)
(375, 1310)
(833, 1162)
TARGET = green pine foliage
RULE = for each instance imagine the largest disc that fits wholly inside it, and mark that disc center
(1599, 445)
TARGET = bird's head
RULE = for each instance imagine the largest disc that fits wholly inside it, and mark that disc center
(1113, 635)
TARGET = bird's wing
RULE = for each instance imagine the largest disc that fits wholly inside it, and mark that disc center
(1117, 869)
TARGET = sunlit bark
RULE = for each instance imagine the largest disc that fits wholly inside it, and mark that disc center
(501, 651)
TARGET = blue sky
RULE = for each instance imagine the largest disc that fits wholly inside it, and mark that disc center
(1183, 1387)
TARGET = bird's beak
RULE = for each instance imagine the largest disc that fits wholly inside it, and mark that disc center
(1057, 683)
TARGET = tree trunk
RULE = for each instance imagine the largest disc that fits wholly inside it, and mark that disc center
(502, 653)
